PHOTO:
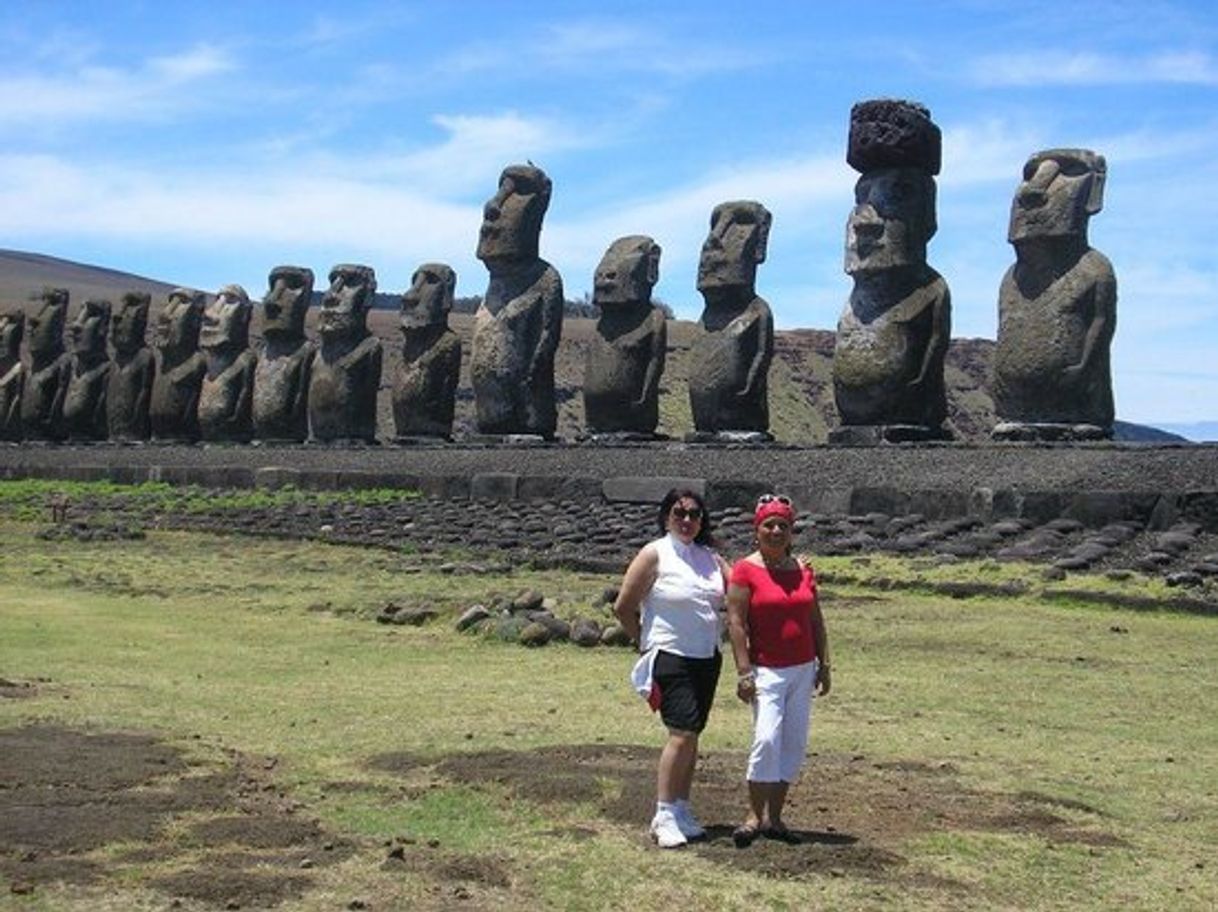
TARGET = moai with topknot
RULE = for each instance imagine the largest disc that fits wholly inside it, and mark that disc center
(893, 335)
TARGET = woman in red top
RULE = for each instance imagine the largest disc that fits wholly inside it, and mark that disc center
(782, 656)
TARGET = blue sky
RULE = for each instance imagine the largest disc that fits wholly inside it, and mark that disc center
(202, 144)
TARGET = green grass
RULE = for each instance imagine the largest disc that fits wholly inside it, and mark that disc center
(267, 648)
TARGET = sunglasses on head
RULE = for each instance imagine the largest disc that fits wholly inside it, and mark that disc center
(684, 513)
(771, 498)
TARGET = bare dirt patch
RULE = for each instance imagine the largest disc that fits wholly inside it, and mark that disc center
(853, 814)
(65, 794)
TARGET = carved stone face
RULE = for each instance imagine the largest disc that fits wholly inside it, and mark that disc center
(739, 232)
(12, 328)
(627, 272)
(511, 219)
(892, 219)
(129, 323)
(430, 297)
(178, 323)
(46, 324)
(89, 330)
(345, 306)
(226, 320)
(287, 302)
(1060, 191)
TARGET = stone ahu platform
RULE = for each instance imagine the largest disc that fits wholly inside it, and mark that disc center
(1094, 483)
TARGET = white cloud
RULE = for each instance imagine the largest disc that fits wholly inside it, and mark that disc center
(154, 88)
(1059, 67)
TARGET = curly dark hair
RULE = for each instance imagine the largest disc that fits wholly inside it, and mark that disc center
(704, 536)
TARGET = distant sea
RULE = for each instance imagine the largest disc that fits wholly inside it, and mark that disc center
(1197, 431)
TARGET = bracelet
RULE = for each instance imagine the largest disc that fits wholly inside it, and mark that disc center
(745, 676)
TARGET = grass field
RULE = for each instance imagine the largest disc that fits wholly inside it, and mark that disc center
(219, 722)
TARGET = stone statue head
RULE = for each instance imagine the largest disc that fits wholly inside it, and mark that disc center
(89, 331)
(178, 323)
(45, 325)
(129, 322)
(892, 220)
(12, 329)
(1060, 191)
(736, 244)
(226, 320)
(627, 272)
(287, 302)
(344, 308)
(430, 297)
(511, 219)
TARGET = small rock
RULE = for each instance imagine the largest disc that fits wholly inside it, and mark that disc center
(1185, 578)
(534, 633)
(306, 863)
(471, 616)
(615, 635)
(1053, 574)
(529, 600)
(585, 632)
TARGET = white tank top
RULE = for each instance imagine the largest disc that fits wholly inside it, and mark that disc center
(681, 612)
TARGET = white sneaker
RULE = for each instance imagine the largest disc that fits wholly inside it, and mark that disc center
(666, 831)
(688, 823)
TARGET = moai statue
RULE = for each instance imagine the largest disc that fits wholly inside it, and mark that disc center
(1056, 307)
(730, 360)
(347, 371)
(626, 356)
(281, 379)
(519, 322)
(84, 405)
(893, 334)
(46, 381)
(227, 392)
(174, 411)
(12, 373)
(132, 367)
(425, 387)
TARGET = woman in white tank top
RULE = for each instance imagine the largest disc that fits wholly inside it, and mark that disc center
(671, 604)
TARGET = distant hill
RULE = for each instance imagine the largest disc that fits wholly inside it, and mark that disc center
(801, 384)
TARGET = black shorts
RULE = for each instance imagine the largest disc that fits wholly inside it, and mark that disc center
(687, 689)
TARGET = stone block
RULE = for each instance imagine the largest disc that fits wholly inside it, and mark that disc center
(494, 486)
(641, 489)
(891, 133)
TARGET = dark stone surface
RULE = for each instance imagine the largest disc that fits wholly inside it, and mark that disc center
(425, 383)
(46, 380)
(132, 369)
(626, 356)
(729, 385)
(346, 373)
(285, 364)
(84, 404)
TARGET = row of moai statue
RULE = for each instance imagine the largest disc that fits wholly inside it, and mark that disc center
(1052, 378)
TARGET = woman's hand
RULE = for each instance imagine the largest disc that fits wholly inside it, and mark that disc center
(746, 687)
(823, 680)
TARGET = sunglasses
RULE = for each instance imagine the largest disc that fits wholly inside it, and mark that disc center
(771, 498)
(683, 513)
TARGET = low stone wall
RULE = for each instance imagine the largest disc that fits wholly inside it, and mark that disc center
(1152, 485)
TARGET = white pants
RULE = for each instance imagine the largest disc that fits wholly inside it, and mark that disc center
(782, 713)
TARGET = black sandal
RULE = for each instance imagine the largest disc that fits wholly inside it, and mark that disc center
(744, 835)
(782, 834)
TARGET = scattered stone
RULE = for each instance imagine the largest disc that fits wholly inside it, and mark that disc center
(1054, 574)
(529, 600)
(585, 632)
(1184, 578)
(472, 615)
(615, 635)
(534, 633)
